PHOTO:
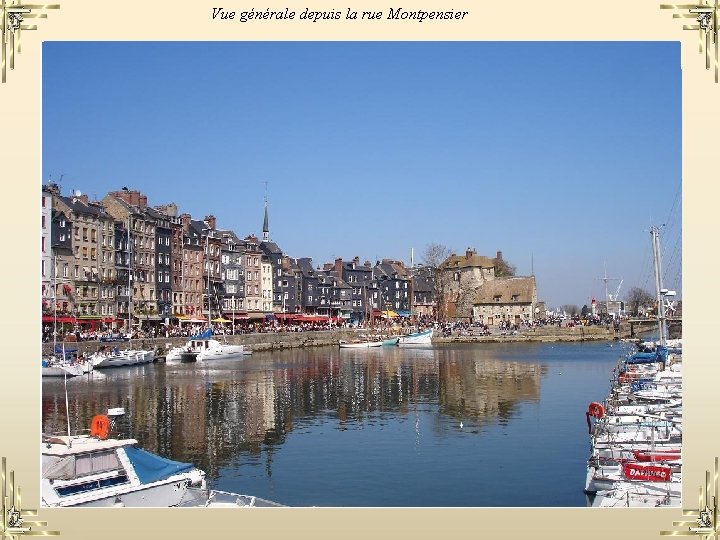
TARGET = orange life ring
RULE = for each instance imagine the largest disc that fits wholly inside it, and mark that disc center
(596, 409)
(100, 427)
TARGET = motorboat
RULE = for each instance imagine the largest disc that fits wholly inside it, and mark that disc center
(95, 470)
(181, 354)
(202, 347)
(212, 349)
(417, 338)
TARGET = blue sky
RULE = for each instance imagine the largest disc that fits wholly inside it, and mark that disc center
(560, 155)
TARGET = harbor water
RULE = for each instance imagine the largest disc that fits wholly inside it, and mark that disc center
(456, 425)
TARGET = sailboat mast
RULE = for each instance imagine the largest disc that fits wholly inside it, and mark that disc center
(54, 311)
(207, 255)
(662, 328)
(129, 263)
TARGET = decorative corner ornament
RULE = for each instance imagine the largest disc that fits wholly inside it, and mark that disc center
(705, 523)
(12, 15)
(707, 16)
(13, 523)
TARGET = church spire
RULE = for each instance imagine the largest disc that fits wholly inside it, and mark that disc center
(266, 228)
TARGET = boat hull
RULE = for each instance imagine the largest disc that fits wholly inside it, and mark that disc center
(363, 345)
(418, 338)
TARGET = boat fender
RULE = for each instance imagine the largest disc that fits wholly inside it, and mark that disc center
(596, 409)
(100, 427)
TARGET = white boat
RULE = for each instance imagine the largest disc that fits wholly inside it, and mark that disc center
(181, 354)
(418, 338)
(98, 471)
(116, 358)
(223, 499)
(628, 494)
(663, 477)
(212, 349)
(94, 470)
(61, 369)
(202, 347)
(360, 344)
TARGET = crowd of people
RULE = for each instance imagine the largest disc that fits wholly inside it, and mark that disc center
(401, 325)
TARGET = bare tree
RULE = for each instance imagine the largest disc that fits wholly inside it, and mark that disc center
(636, 298)
(570, 309)
(433, 256)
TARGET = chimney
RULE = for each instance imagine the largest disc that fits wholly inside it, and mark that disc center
(499, 256)
(338, 266)
(356, 262)
(133, 197)
(210, 221)
(469, 253)
(185, 218)
(367, 264)
(328, 266)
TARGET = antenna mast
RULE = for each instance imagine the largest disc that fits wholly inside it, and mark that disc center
(607, 296)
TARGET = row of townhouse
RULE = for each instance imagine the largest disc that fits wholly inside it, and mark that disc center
(118, 258)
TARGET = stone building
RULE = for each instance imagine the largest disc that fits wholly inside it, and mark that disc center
(459, 281)
(93, 261)
(130, 206)
(506, 300)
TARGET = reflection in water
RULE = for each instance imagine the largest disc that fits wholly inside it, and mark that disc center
(212, 414)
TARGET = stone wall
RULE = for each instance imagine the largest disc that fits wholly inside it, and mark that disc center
(254, 342)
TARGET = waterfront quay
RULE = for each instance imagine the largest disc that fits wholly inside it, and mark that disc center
(268, 341)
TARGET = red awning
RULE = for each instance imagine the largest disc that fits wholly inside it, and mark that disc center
(236, 316)
(288, 316)
(313, 318)
(50, 318)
